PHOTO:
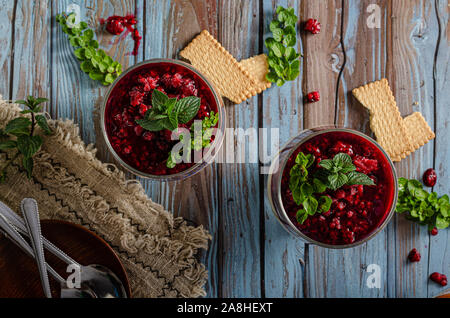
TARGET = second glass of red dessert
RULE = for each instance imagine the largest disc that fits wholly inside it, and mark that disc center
(333, 187)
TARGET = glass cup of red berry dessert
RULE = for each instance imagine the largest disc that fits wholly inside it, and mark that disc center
(334, 187)
(154, 106)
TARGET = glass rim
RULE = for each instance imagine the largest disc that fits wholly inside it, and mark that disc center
(293, 229)
(197, 167)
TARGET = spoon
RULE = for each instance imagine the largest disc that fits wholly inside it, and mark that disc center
(97, 278)
(10, 231)
(31, 215)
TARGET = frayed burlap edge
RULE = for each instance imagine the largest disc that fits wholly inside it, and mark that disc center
(158, 251)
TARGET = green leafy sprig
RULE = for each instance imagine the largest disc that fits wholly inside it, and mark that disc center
(94, 61)
(303, 189)
(421, 206)
(284, 64)
(334, 174)
(19, 134)
(197, 143)
(340, 171)
(168, 113)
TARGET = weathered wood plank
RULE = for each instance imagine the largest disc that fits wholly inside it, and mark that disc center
(31, 50)
(7, 14)
(364, 62)
(326, 269)
(440, 244)
(169, 26)
(282, 109)
(413, 41)
(239, 208)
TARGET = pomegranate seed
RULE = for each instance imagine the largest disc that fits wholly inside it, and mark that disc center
(434, 231)
(441, 279)
(430, 177)
(313, 26)
(414, 255)
(114, 26)
(313, 97)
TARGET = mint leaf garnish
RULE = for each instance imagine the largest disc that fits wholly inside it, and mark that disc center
(167, 113)
(282, 58)
(25, 143)
(340, 171)
(359, 178)
(187, 108)
(95, 62)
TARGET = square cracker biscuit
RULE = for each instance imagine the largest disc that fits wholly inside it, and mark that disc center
(257, 66)
(385, 119)
(418, 130)
(231, 79)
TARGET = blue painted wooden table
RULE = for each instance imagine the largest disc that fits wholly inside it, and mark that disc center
(250, 255)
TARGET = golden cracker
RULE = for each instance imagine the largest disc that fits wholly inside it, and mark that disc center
(220, 67)
(257, 66)
(385, 119)
(418, 130)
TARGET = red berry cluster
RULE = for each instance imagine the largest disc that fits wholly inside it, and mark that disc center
(313, 97)
(441, 279)
(313, 26)
(414, 255)
(117, 24)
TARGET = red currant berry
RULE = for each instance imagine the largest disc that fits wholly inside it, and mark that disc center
(429, 177)
(313, 97)
(313, 26)
(414, 255)
(434, 231)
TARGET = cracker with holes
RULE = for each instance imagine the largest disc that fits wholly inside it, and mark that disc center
(418, 130)
(232, 79)
(385, 119)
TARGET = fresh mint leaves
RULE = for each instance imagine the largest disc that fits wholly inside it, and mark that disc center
(94, 61)
(421, 206)
(168, 113)
(303, 191)
(208, 123)
(19, 134)
(284, 64)
(340, 171)
(334, 173)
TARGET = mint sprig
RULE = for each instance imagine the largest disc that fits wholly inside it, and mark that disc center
(340, 171)
(93, 61)
(196, 143)
(19, 134)
(303, 190)
(421, 206)
(284, 64)
(334, 174)
(168, 113)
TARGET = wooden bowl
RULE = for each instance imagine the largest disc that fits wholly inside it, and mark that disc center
(19, 276)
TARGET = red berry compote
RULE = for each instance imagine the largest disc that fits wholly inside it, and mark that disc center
(357, 210)
(129, 100)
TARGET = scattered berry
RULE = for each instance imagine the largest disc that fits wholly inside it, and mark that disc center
(313, 26)
(114, 25)
(441, 279)
(434, 231)
(414, 256)
(430, 177)
(313, 97)
(117, 24)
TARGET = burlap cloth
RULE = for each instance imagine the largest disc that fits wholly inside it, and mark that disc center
(69, 183)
